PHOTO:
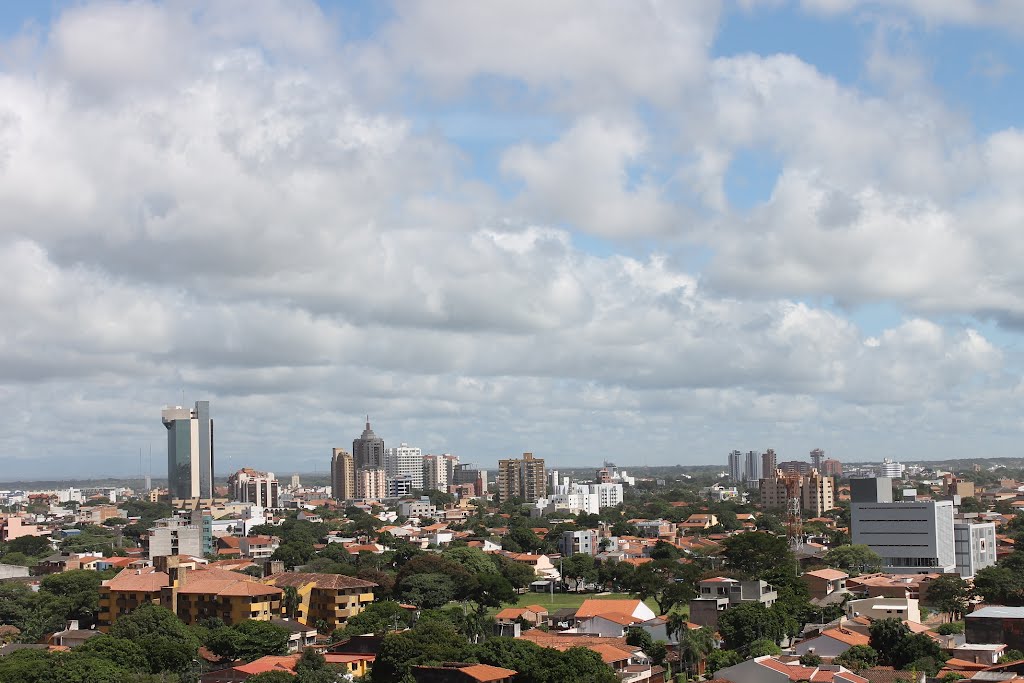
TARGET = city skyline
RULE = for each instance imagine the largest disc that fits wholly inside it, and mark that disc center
(644, 232)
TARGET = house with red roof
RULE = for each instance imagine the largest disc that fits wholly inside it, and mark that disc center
(768, 669)
(457, 672)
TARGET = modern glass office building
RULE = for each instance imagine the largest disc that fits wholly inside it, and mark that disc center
(189, 450)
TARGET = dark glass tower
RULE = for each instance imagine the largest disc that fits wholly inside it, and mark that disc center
(189, 451)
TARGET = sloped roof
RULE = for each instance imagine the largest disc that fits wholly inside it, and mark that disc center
(828, 574)
(324, 581)
(593, 607)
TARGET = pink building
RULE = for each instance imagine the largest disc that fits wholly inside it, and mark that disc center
(15, 527)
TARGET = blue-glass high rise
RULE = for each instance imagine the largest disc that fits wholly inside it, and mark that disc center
(189, 451)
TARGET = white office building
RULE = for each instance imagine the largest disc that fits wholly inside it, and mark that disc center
(405, 461)
(975, 546)
(888, 468)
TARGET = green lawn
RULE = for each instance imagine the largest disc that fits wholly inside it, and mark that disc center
(560, 600)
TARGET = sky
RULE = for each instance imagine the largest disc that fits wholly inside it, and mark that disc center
(643, 232)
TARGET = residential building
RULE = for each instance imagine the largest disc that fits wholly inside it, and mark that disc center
(193, 594)
(716, 595)
(955, 486)
(822, 583)
(831, 643)
(815, 492)
(610, 618)
(417, 508)
(718, 493)
(258, 547)
(371, 484)
(331, 598)
(904, 609)
(189, 450)
(458, 672)
(400, 486)
(996, 624)
(795, 467)
(769, 462)
(468, 473)
(368, 450)
(752, 467)
(435, 473)
(251, 486)
(405, 461)
(831, 467)
(179, 536)
(736, 466)
(15, 527)
(573, 542)
(343, 474)
(768, 669)
(911, 537)
(974, 545)
(522, 478)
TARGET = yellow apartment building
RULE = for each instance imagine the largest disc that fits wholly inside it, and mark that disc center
(331, 598)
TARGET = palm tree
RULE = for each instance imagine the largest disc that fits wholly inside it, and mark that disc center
(291, 601)
(694, 644)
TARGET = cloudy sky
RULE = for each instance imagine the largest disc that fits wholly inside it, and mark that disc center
(649, 232)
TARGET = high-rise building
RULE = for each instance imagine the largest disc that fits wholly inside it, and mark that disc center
(295, 481)
(795, 467)
(752, 467)
(735, 465)
(975, 546)
(468, 473)
(522, 478)
(368, 450)
(189, 450)
(888, 468)
(815, 492)
(184, 535)
(343, 474)
(435, 473)
(831, 467)
(769, 463)
(405, 462)
(251, 486)
(914, 537)
(817, 455)
(371, 484)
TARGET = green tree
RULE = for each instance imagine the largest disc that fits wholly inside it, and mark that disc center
(379, 617)
(858, 657)
(33, 546)
(81, 589)
(886, 636)
(1000, 585)
(272, 677)
(810, 659)
(950, 594)
(760, 648)
(694, 646)
(428, 591)
(169, 644)
(756, 553)
(855, 559)
(124, 652)
(492, 590)
(721, 659)
(748, 622)
(431, 640)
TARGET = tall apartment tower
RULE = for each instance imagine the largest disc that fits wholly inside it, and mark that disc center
(522, 478)
(343, 474)
(368, 450)
(252, 486)
(405, 462)
(752, 467)
(435, 473)
(769, 463)
(736, 466)
(189, 450)
(817, 455)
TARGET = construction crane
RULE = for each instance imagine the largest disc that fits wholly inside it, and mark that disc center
(794, 519)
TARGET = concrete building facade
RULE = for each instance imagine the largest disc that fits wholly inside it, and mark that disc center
(974, 546)
(522, 478)
(343, 474)
(405, 461)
